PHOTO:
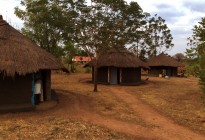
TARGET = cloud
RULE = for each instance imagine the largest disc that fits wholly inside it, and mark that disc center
(196, 6)
(180, 32)
(170, 16)
(169, 12)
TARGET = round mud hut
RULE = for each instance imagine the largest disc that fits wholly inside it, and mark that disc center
(119, 67)
(20, 61)
(163, 63)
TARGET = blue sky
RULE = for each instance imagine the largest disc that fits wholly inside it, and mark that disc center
(180, 16)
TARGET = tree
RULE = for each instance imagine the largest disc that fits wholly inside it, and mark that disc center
(107, 24)
(152, 38)
(197, 51)
(48, 23)
(201, 49)
(192, 59)
(158, 36)
(179, 56)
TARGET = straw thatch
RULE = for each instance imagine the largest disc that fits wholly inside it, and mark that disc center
(19, 55)
(163, 60)
(122, 59)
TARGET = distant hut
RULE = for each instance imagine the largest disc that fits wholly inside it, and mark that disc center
(20, 60)
(161, 63)
(119, 67)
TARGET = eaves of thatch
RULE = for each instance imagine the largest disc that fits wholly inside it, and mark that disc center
(19, 55)
(122, 59)
(163, 60)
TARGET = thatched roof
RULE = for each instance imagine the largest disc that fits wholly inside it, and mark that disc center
(122, 59)
(163, 60)
(19, 55)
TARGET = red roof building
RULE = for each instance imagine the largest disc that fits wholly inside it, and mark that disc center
(81, 59)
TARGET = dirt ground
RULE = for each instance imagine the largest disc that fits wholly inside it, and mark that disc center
(161, 109)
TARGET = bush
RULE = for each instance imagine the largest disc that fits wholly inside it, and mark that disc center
(87, 70)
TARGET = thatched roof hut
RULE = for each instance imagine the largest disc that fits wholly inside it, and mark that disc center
(20, 60)
(19, 55)
(119, 67)
(121, 59)
(163, 62)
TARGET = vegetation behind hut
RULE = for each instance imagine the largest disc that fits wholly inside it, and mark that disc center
(197, 51)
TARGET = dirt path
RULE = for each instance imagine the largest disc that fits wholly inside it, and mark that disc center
(166, 128)
(79, 109)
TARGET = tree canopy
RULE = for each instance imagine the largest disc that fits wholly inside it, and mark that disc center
(153, 37)
(197, 51)
(49, 23)
(112, 23)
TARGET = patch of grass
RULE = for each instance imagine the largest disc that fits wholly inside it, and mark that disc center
(55, 128)
(177, 98)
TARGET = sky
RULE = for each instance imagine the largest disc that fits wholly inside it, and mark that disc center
(180, 16)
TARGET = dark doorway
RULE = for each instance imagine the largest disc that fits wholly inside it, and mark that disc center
(113, 76)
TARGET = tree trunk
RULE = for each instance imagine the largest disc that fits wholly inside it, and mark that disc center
(96, 73)
(95, 77)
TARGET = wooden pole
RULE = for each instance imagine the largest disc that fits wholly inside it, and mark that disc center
(108, 70)
(120, 75)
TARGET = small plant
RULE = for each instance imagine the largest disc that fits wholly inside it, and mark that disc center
(87, 70)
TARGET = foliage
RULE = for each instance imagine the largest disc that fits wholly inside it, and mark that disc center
(87, 70)
(158, 36)
(179, 56)
(153, 37)
(69, 52)
(197, 52)
(48, 23)
(107, 24)
(192, 59)
(202, 65)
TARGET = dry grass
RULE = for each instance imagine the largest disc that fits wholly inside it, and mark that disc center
(177, 98)
(50, 128)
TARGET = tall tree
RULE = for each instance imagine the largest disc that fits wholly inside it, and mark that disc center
(48, 23)
(158, 36)
(107, 24)
(197, 51)
(152, 38)
(192, 59)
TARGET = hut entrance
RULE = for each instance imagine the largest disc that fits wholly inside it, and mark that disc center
(113, 76)
(169, 72)
(46, 80)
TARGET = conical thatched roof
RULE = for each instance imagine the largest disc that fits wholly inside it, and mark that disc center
(19, 55)
(163, 60)
(123, 59)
